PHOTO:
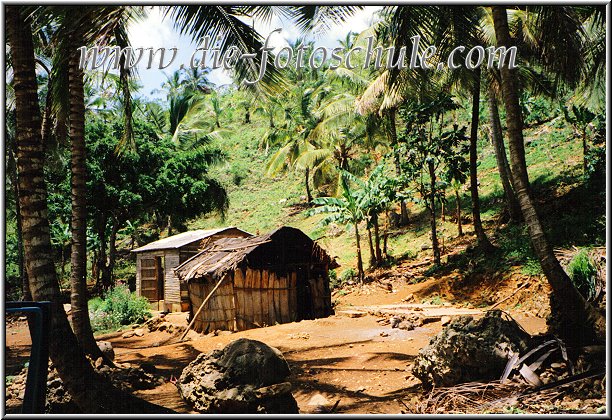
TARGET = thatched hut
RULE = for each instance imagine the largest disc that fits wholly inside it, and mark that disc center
(257, 281)
(155, 263)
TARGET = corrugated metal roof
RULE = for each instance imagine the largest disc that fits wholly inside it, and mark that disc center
(182, 239)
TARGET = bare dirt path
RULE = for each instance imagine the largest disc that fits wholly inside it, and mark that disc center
(357, 361)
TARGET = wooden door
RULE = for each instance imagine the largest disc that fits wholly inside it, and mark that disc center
(149, 278)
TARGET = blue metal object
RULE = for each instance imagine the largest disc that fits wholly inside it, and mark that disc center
(36, 383)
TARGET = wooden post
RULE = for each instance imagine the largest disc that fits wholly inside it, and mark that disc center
(201, 307)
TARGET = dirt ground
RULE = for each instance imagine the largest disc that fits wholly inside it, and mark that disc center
(355, 361)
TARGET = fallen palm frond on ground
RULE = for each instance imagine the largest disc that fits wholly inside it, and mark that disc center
(497, 396)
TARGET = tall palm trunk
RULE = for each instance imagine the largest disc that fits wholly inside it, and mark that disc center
(398, 169)
(432, 209)
(514, 208)
(12, 174)
(483, 242)
(580, 322)
(91, 392)
(307, 181)
(78, 223)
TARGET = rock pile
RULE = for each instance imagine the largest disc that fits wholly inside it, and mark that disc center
(245, 377)
(407, 321)
(469, 350)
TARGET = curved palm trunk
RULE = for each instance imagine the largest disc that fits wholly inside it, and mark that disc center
(483, 241)
(78, 223)
(91, 392)
(580, 322)
(514, 208)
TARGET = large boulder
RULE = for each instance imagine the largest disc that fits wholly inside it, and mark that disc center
(470, 350)
(246, 376)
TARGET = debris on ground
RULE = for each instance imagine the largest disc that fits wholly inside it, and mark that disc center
(245, 377)
(470, 350)
(124, 376)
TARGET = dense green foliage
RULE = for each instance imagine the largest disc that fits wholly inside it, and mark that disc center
(117, 308)
(583, 272)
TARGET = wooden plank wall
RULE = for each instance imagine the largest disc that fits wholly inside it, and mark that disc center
(264, 298)
(219, 313)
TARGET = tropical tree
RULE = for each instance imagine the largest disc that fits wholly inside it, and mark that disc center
(573, 310)
(344, 210)
(427, 152)
(90, 391)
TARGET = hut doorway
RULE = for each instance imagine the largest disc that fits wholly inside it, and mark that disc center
(159, 269)
(305, 306)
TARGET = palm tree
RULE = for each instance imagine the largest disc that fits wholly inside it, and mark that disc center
(91, 392)
(574, 310)
(497, 138)
(483, 241)
(215, 102)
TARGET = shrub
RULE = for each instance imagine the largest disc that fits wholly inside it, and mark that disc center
(347, 275)
(583, 273)
(119, 307)
(239, 172)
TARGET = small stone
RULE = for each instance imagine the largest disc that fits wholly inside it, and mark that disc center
(445, 320)
(139, 332)
(99, 362)
(128, 334)
(384, 334)
(319, 400)
(556, 365)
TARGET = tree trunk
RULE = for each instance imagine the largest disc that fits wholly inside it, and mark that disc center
(359, 259)
(580, 322)
(585, 150)
(497, 138)
(379, 258)
(11, 149)
(372, 252)
(432, 209)
(100, 260)
(78, 224)
(112, 254)
(307, 181)
(483, 242)
(398, 169)
(458, 204)
(386, 235)
(91, 392)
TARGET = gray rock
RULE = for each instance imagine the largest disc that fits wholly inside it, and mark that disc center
(470, 350)
(245, 377)
(107, 349)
